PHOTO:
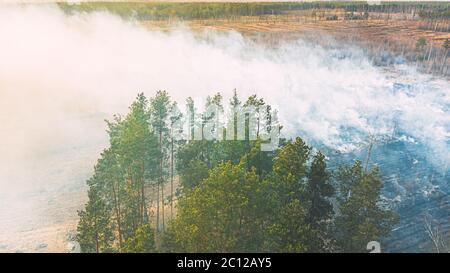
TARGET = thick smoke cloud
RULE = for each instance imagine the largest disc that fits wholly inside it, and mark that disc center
(61, 75)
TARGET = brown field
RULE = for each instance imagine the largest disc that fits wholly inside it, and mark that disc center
(396, 27)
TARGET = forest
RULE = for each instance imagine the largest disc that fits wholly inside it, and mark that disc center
(152, 191)
(189, 11)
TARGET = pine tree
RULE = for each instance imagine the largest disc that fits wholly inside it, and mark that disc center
(261, 161)
(290, 231)
(361, 219)
(222, 214)
(122, 172)
(320, 212)
(233, 126)
(159, 111)
(211, 117)
(190, 106)
(175, 117)
(258, 105)
(142, 241)
(108, 171)
(139, 152)
(94, 233)
(290, 168)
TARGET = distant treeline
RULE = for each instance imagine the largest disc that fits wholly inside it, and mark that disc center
(189, 11)
(436, 14)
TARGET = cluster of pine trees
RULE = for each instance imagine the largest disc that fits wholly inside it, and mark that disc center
(154, 192)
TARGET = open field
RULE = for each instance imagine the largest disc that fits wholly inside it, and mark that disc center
(397, 35)
(403, 32)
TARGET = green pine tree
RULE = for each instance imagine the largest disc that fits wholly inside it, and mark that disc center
(320, 212)
(159, 114)
(94, 233)
(361, 218)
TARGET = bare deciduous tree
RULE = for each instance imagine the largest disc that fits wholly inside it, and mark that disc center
(434, 232)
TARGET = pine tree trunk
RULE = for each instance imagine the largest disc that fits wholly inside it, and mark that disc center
(162, 203)
(159, 180)
(142, 202)
(97, 245)
(157, 206)
(143, 193)
(171, 180)
(118, 216)
(369, 152)
(257, 128)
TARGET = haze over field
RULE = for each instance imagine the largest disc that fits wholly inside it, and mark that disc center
(61, 75)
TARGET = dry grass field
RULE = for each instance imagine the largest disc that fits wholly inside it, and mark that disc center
(393, 30)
